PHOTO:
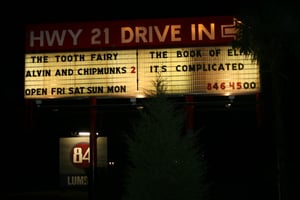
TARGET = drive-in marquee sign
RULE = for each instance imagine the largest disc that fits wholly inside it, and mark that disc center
(124, 58)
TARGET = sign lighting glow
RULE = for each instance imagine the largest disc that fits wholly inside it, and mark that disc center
(218, 70)
(200, 70)
(102, 73)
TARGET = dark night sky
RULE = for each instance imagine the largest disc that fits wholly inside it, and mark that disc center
(125, 10)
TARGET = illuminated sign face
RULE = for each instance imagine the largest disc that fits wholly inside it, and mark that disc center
(102, 73)
(130, 73)
(125, 58)
(199, 70)
(75, 159)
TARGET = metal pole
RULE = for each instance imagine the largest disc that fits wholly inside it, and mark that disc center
(93, 148)
(189, 109)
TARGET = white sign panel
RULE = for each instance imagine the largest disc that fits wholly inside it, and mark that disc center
(217, 70)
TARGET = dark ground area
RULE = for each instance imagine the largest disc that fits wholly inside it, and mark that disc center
(55, 194)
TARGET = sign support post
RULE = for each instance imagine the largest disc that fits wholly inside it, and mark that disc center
(93, 148)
